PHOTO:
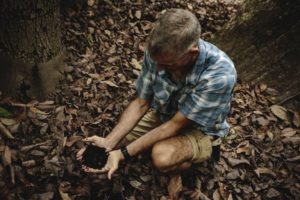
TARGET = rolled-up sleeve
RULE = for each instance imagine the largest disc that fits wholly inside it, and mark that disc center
(144, 83)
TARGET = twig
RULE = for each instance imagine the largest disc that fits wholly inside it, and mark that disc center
(288, 98)
(29, 147)
(5, 131)
(12, 174)
(22, 105)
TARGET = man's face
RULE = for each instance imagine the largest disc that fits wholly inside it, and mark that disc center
(172, 63)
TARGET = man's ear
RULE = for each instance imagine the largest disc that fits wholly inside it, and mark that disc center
(194, 50)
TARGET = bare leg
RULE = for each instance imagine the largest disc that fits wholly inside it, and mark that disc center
(173, 156)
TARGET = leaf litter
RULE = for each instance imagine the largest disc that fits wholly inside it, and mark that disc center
(105, 41)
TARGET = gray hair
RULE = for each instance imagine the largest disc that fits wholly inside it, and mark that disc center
(174, 33)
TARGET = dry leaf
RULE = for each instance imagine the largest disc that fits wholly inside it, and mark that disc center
(7, 121)
(216, 195)
(264, 170)
(136, 64)
(294, 159)
(234, 162)
(230, 197)
(47, 103)
(72, 140)
(292, 140)
(138, 14)
(6, 156)
(5, 131)
(64, 196)
(270, 135)
(37, 111)
(279, 112)
(136, 184)
(233, 175)
(109, 83)
(296, 119)
(272, 193)
(288, 132)
(91, 2)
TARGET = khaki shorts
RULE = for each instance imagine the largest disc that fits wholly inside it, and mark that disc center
(201, 143)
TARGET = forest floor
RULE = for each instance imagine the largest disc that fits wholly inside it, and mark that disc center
(104, 42)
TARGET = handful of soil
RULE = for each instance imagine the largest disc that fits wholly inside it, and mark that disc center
(94, 157)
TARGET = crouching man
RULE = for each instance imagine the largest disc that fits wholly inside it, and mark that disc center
(183, 98)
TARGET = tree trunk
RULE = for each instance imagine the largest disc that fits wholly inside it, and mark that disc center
(263, 41)
(30, 47)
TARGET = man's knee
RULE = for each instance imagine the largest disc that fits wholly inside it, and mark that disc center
(161, 155)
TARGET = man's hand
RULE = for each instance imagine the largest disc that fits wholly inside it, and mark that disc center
(97, 141)
(111, 166)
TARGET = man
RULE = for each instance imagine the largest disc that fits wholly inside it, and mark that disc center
(188, 83)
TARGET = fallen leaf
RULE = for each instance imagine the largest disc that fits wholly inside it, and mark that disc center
(279, 112)
(270, 135)
(46, 195)
(47, 103)
(230, 197)
(4, 113)
(8, 122)
(243, 147)
(109, 83)
(138, 14)
(294, 159)
(72, 140)
(6, 156)
(63, 195)
(288, 132)
(136, 64)
(264, 170)
(292, 140)
(136, 184)
(5, 131)
(216, 195)
(234, 174)
(234, 162)
(272, 193)
(37, 111)
(296, 119)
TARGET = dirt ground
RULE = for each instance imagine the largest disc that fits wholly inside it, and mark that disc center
(104, 42)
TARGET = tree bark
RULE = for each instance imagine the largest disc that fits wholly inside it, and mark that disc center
(263, 41)
(30, 46)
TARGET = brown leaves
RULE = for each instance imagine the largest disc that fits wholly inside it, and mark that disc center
(105, 42)
(234, 162)
(264, 171)
(279, 112)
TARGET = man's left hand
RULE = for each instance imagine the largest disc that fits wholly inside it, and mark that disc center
(111, 165)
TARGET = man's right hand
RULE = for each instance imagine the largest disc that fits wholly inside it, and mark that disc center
(97, 141)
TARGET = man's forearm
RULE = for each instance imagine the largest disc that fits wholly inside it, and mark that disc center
(164, 131)
(130, 117)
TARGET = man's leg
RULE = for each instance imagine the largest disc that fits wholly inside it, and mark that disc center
(181, 151)
(178, 153)
(172, 154)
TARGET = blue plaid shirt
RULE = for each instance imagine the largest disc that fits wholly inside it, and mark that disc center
(203, 97)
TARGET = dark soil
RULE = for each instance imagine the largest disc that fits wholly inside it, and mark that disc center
(94, 157)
